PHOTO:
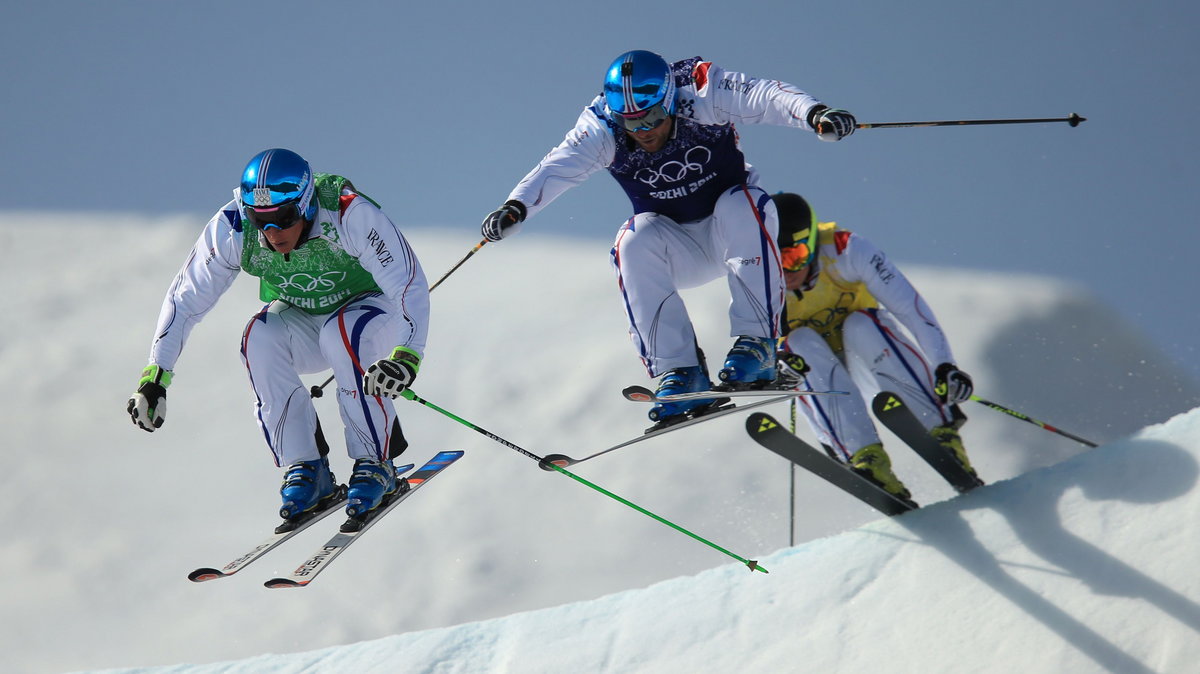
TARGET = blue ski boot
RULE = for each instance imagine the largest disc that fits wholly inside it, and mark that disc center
(370, 484)
(680, 380)
(305, 485)
(749, 365)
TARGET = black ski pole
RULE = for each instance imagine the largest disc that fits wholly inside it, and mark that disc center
(409, 395)
(318, 391)
(792, 488)
(1072, 119)
(453, 269)
(1024, 417)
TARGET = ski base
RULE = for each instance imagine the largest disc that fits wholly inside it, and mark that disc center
(769, 433)
(355, 527)
(899, 419)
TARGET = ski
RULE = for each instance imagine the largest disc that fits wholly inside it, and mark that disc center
(563, 461)
(769, 433)
(899, 419)
(355, 527)
(641, 394)
(283, 532)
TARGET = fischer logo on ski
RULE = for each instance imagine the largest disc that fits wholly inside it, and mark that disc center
(890, 402)
(766, 424)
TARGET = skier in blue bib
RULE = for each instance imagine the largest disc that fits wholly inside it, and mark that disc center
(667, 133)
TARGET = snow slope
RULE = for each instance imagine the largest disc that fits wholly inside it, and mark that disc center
(1075, 568)
(528, 341)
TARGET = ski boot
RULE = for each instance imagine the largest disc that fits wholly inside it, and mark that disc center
(372, 482)
(681, 380)
(873, 463)
(948, 437)
(749, 365)
(305, 486)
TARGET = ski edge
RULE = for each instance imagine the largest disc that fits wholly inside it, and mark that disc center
(710, 416)
(642, 394)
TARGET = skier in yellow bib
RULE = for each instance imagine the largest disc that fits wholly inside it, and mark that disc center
(842, 317)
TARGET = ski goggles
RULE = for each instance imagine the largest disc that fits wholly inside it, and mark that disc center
(650, 118)
(279, 217)
(796, 258)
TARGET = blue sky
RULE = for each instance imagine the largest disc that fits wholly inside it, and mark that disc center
(437, 110)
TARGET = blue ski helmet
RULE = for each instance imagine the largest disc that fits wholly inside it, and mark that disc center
(277, 188)
(639, 90)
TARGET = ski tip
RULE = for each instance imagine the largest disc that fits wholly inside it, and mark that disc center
(759, 422)
(549, 462)
(639, 394)
(277, 583)
(201, 575)
(885, 401)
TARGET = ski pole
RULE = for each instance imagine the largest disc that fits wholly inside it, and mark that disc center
(1072, 119)
(409, 395)
(318, 391)
(460, 263)
(792, 489)
(1023, 417)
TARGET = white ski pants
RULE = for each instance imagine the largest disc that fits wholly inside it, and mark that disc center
(282, 342)
(877, 357)
(654, 257)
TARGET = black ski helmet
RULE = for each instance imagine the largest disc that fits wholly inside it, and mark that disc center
(797, 229)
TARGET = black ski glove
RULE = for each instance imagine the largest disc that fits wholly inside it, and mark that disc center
(388, 377)
(503, 221)
(148, 405)
(952, 385)
(831, 124)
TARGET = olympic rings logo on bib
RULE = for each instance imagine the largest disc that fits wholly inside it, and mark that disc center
(307, 283)
(694, 161)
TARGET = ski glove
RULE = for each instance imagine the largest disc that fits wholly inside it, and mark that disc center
(148, 405)
(831, 124)
(389, 376)
(952, 385)
(790, 369)
(503, 221)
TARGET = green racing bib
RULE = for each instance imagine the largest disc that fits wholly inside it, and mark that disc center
(318, 276)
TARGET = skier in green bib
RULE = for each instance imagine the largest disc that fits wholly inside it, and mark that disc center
(344, 291)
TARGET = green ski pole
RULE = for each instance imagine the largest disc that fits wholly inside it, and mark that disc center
(545, 465)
